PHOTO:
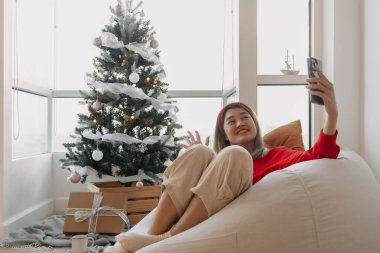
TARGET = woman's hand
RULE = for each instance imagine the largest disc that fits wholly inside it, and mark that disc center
(322, 87)
(192, 141)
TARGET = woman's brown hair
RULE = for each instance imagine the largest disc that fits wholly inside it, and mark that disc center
(220, 141)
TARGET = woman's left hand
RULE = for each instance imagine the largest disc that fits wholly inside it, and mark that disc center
(191, 140)
(322, 87)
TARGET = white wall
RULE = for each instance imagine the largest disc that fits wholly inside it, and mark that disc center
(371, 96)
(347, 66)
(27, 192)
(340, 52)
(5, 113)
(1, 109)
(246, 38)
(26, 184)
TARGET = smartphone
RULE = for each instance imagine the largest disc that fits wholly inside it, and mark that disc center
(311, 64)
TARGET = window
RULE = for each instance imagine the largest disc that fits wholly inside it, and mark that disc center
(65, 120)
(281, 104)
(32, 127)
(77, 24)
(191, 51)
(191, 48)
(196, 52)
(191, 41)
(198, 114)
(282, 26)
(33, 40)
(283, 35)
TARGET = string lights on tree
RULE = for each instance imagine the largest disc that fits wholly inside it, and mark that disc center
(130, 126)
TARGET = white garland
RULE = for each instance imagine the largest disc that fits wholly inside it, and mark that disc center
(145, 53)
(89, 135)
(131, 140)
(110, 40)
(87, 170)
(128, 139)
(134, 92)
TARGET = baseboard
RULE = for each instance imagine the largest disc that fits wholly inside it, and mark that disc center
(27, 217)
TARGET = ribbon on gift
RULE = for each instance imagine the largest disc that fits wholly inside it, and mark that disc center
(92, 214)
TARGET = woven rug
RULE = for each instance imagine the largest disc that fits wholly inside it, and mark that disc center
(47, 236)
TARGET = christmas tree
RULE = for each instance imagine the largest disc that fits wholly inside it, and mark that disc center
(129, 131)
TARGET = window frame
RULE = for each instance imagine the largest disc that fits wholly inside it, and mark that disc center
(238, 90)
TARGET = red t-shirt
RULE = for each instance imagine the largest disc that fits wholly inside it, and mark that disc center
(281, 157)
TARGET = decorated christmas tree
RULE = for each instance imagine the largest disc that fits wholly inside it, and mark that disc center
(129, 130)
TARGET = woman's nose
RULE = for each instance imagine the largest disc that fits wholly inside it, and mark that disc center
(239, 123)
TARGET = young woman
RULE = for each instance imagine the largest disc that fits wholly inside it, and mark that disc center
(202, 181)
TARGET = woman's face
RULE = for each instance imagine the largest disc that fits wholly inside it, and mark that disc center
(240, 128)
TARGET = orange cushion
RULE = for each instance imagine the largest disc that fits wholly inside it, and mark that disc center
(288, 135)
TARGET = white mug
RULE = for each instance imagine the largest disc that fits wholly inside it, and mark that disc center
(79, 243)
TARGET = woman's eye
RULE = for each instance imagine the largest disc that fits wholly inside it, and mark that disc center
(230, 122)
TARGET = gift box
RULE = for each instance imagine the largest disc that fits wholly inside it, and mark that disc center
(141, 200)
(100, 212)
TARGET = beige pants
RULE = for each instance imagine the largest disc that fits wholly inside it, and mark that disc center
(215, 179)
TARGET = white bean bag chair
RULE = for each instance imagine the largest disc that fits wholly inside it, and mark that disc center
(321, 206)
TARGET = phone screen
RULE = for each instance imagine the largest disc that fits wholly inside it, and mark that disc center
(311, 64)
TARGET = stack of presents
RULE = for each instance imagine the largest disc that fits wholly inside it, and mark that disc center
(109, 207)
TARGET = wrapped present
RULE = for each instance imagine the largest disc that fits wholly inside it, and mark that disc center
(141, 200)
(100, 212)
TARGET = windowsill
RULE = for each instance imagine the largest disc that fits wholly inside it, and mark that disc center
(33, 156)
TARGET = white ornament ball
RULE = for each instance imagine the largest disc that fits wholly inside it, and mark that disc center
(139, 184)
(154, 43)
(74, 177)
(97, 105)
(162, 97)
(97, 155)
(97, 42)
(134, 77)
